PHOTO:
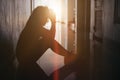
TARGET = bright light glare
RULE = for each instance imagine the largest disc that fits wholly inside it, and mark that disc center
(55, 5)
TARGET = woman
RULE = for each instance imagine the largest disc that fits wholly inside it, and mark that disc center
(34, 40)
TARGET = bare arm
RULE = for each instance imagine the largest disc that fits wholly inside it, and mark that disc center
(57, 48)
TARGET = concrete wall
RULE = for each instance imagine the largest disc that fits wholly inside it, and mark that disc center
(111, 30)
(13, 16)
(105, 48)
(111, 43)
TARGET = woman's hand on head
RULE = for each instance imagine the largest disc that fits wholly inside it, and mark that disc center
(52, 16)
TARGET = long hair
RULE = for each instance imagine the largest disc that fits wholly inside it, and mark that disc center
(29, 37)
(38, 18)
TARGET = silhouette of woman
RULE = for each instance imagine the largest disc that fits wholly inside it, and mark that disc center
(34, 40)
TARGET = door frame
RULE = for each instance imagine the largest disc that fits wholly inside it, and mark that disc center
(83, 40)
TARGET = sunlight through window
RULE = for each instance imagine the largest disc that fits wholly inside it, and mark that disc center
(55, 5)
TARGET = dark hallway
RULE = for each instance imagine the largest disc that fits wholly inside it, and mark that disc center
(105, 43)
(91, 28)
